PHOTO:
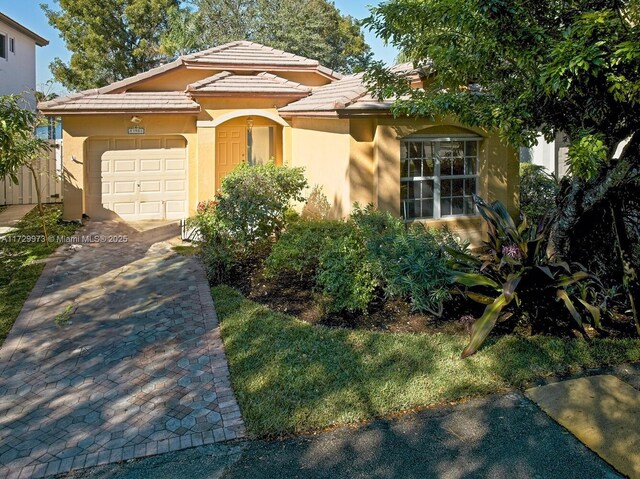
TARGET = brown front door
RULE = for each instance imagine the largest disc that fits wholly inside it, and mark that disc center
(231, 150)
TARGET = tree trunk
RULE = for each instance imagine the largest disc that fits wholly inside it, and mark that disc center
(578, 199)
(36, 181)
(625, 250)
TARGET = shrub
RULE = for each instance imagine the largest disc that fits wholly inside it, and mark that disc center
(380, 254)
(346, 275)
(538, 191)
(414, 266)
(517, 270)
(254, 200)
(219, 258)
(298, 250)
(317, 206)
(205, 221)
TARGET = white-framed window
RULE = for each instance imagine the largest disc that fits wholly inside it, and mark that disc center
(438, 176)
(3, 46)
(12, 45)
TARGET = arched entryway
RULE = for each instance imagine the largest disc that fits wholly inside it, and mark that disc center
(248, 139)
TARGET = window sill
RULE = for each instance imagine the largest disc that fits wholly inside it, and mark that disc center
(446, 219)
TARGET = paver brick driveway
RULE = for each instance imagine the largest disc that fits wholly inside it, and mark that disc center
(139, 369)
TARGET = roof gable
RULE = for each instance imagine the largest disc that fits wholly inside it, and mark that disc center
(263, 83)
(237, 56)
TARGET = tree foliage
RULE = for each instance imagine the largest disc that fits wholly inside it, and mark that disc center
(311, 28)
(109, 40)
(19, 145)
(527, 68)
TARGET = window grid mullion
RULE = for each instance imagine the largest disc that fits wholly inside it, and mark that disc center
(436, 181)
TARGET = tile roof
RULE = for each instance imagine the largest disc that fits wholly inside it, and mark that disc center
(94, 102)
(263, 83)
(331, 97)
(348, 94)
(249, 54)
(236, 56)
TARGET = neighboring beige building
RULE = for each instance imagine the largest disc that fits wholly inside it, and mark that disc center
(154, 145)
(17, 56)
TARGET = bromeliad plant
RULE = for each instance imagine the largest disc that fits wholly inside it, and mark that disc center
(518, 270)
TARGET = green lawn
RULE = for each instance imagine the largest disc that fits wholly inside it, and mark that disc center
(291, 377)
(18, 272)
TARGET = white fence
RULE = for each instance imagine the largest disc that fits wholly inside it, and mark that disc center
(25, 191)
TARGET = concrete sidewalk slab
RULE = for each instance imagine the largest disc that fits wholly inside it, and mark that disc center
(601, 411)
(11, 215)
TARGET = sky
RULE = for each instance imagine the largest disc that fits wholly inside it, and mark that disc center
(29, 14)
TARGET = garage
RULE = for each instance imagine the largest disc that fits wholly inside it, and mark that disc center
(137, 178)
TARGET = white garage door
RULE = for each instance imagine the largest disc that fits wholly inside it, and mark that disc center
(145, 184)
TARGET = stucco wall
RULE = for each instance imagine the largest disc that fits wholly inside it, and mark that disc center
(354, 160)
(18, 71)
(322, 147)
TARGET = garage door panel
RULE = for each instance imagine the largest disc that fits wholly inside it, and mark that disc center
(124, 144)
(175, 165)
(147, 186)
(151, 143)
(124, 166)
(151, 207)
(142, 180)
(123, 209)
(123, 187)
(151, 165)
(175, 209)
(174, 185)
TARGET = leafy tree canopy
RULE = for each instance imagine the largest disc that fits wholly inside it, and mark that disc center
(523, 67)
(311, 28)
(109, 39)
(526, 67)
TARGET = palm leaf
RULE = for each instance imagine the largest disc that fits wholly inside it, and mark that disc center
(562, 294)
(593, 311)
(473, 279)
(483, 326)
(480, 298)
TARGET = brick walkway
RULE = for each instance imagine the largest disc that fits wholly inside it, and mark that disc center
(138, 370)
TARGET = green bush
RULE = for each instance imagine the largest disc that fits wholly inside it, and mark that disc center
(414, 267)
(347, 277)
(254, 200)
(205, 222)
(379, 254)
(219, 258)
(298, 250)
(538, 191)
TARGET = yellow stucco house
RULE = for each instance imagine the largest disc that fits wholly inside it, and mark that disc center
(154, 145)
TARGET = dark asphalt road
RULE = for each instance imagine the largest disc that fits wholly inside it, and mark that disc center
(499, 437)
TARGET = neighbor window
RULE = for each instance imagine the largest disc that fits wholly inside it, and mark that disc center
(438, 177)
(12, 45)
(3, 46)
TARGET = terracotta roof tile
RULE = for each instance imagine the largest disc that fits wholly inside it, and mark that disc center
(331, 97)
(350, 93)
(122, 102)
(240, 56)
(262, 83)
